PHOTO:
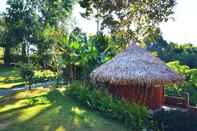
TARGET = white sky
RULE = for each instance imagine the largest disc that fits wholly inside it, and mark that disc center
(182, 30)
(2, 5)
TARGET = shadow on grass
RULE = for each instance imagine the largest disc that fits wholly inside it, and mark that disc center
(63, 114)
(9, 76)
(32, 101)
(10, 80)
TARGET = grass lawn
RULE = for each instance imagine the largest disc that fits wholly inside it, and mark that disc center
(9, 76)
(44, 110)
(1, 55)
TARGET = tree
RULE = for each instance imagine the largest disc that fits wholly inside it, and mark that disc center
(129, 19)
(189, 85)
(52, 14)
(2, 29)
(19, 18)
(28, 20)
(27, 73)
(77, 54)
(185, 53)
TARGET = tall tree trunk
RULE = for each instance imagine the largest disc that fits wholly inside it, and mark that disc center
(24, 53)
(7, 57)
(72, 72)
(97, 23)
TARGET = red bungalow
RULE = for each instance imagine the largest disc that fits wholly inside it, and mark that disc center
(137, 76)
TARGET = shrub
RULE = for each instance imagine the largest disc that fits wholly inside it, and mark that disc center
(190, 84)
(133, 115)
(27, 73)
(176, 120)
(44, 75)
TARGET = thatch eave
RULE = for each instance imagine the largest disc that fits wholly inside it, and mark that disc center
(135, 65)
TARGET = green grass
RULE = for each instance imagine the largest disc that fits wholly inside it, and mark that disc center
(10, 77)
(1, 55)
(44, 110)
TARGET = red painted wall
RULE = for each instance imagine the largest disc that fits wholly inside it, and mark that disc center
(152, 97)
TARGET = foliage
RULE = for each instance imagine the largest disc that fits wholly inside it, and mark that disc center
(51, 15)
(2, 30)
(10, 76)
(45, 74)
(131, 21)
(176, 120)
(185, 53)
(190, 84)
(46, 47)
(133, 115)
(78, 54)
(27, 22)
(27, 73)
(81, 54)
(106, 46)
(1, 55)
(19, 18)
(53, 11)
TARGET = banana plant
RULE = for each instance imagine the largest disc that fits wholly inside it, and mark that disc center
(78, 54)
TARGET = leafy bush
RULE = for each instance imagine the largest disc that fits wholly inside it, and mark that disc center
(170, 51)
(133, 115)
(42, 75)
(27, 73)
(176, 120)
(78, 55)
(190, 84)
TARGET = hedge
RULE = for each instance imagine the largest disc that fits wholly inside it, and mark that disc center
(134, 116)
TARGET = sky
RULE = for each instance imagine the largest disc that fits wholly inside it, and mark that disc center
(2, 5)
(182, 30)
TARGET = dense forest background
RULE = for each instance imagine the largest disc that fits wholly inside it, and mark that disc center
(41, 35)
(35, 35)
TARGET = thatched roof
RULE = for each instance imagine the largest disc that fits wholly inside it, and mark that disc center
(135, 65)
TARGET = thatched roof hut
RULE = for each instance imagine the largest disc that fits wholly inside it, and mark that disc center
(137, 76)
(135, 65)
